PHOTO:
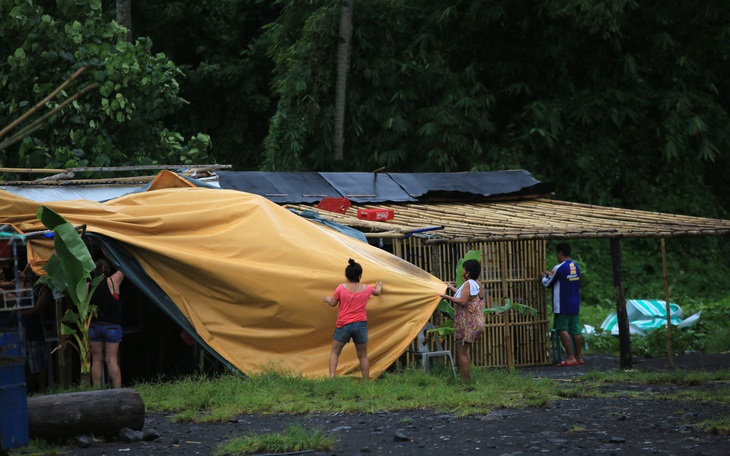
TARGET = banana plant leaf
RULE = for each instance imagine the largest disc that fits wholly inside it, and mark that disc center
(70, 266)
(520, 308)
(445, 308)
(73, 255)
(470, 255)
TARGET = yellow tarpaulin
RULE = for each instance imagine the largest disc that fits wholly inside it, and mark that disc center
(249, 275)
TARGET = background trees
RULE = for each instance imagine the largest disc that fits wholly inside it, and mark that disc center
(119, 122)
(620, 103)
(226, 74)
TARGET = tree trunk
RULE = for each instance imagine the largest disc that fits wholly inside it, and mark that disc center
(58, 417)
(624, 335)
(124, 16)
(343, 64)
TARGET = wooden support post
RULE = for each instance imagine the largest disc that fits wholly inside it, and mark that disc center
(505, 315)
(64, 361)
(670, 355)
(624, 336)
(435, 263)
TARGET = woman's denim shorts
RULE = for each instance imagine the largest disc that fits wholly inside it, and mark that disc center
(357, 331)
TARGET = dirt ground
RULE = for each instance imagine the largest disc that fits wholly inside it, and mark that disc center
(620, 425)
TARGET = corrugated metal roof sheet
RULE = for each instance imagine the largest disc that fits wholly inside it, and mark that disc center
(539, 218)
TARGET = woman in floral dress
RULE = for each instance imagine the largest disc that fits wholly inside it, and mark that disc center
(469, 323)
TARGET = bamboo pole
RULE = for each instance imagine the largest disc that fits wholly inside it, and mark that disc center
(37, 124)
(505, 315)
(30, 112)
(670, 356)
(113, 169)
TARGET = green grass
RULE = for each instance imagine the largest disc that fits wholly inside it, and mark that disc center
(676, 378)
(295, 438)
(38, 448)
(223, 397)
(591, 385)
(721, 426)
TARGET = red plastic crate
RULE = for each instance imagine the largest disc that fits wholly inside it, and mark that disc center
(339, 205)
(375, 214)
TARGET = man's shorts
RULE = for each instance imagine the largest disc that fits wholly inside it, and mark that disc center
(568, 322)
(357, 331)
(104, 332)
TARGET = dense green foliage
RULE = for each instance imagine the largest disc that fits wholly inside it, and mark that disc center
(119, 122)
(218, 46)
(622, 105)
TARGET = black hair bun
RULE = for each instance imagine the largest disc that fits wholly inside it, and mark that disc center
(351, 262)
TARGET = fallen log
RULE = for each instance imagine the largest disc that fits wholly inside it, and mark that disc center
(58, 417)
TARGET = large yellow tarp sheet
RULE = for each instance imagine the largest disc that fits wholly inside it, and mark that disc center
(249, 275)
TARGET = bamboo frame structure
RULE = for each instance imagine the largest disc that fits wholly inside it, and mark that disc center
(512, 235)
(509, 271)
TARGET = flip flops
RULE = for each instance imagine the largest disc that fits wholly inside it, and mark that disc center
(582, 361)
(566, 364)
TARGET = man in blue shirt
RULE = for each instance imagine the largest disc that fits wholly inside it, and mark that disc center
(564, 280)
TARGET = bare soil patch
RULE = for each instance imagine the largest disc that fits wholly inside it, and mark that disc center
(580, 426)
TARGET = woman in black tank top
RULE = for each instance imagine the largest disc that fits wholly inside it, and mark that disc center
(105, 332)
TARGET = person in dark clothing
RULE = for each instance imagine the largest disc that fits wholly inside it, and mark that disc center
(564, 280)
(37, 355)
(105, 332)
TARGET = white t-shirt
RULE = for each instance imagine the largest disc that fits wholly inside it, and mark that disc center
(473, 288)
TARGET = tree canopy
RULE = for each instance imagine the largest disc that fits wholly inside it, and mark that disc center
(621, 103)
(120, 121)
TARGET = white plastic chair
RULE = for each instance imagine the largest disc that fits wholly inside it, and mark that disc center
(423, 348)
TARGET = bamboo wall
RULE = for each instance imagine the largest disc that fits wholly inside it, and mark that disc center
(509, 270)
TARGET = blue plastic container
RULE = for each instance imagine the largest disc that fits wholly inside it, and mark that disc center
(13, 401)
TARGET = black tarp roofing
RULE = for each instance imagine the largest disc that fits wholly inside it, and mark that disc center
(279, 187)
(367, 187)
(488, 183)
(311, 187)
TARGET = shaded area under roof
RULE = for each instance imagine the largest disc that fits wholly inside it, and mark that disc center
(363, 188)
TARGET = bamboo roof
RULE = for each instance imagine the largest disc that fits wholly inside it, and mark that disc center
(523, 219)
(439, 213)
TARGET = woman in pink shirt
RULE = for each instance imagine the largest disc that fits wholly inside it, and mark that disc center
(352, 319)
